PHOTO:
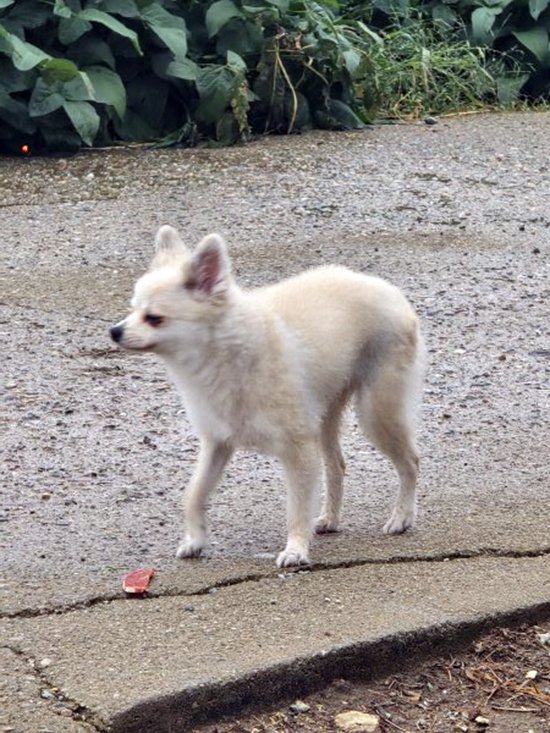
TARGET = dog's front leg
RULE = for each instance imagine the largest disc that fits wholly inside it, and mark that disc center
(213, 458)
(303, 472)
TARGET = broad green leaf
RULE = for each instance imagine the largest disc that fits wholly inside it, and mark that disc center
(219, 14)
(60, 82)
(79, 89)
(215, 86)
(71, 29)
(61, 9)
(445, 15)
(58, 70)
(536, 7)
(153, 13)
(482, 20)
(24, 55)
(169, 28)
(242, 34)
(44, 99)
(114, 25)
(236, 61)
(126, 8)
(28, 14)
(352, 59)
(108, 88)
(13, 80)
(536, 41)
(6, 3)
(63, 76)
(342, 116)
(509, 87)
(92, 50)
(182, 69)
(134, 127)
(84, 118)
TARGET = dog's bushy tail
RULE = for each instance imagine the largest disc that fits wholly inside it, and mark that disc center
(387, 404)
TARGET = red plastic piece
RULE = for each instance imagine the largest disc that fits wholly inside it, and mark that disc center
(137, 582)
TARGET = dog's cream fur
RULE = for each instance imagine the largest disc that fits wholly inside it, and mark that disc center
(272, 369)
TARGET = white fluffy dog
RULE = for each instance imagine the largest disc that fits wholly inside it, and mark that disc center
(272, 369)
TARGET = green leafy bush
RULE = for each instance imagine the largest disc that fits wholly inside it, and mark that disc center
(73, 73)
(94, 72)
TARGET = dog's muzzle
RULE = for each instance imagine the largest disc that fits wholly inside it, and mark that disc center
(116, 333)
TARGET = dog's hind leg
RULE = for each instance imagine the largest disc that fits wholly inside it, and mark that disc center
(213, 458)
(334, 469)
(303, 472)
(385, 409)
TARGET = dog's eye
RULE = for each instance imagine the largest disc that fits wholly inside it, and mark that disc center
(153, 320)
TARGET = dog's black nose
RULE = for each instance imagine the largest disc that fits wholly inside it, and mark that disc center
(116, 333)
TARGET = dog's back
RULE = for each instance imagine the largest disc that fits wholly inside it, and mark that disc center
(346, 323)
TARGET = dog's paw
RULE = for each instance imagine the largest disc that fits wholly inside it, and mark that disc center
(292, 558)
(325, 525)
(188, 548)
(400, 521)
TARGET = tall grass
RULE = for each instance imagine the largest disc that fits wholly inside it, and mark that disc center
(423, 69)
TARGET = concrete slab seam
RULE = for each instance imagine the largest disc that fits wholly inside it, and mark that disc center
(79, 712)
(256, 577)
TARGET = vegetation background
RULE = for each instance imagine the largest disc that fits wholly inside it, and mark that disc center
(96, 72)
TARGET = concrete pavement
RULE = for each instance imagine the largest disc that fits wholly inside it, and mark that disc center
(92, 470)
(165, 662)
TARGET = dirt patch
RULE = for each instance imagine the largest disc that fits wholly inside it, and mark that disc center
(501, 683)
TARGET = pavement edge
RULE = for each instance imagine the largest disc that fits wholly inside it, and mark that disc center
(363, 660)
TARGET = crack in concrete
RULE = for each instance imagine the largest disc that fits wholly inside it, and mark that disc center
(258, 576)
(49, 691)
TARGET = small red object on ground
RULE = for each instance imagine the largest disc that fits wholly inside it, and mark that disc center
(137, 582)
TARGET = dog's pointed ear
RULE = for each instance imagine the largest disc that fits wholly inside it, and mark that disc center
(168, 246)
(209, 266)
